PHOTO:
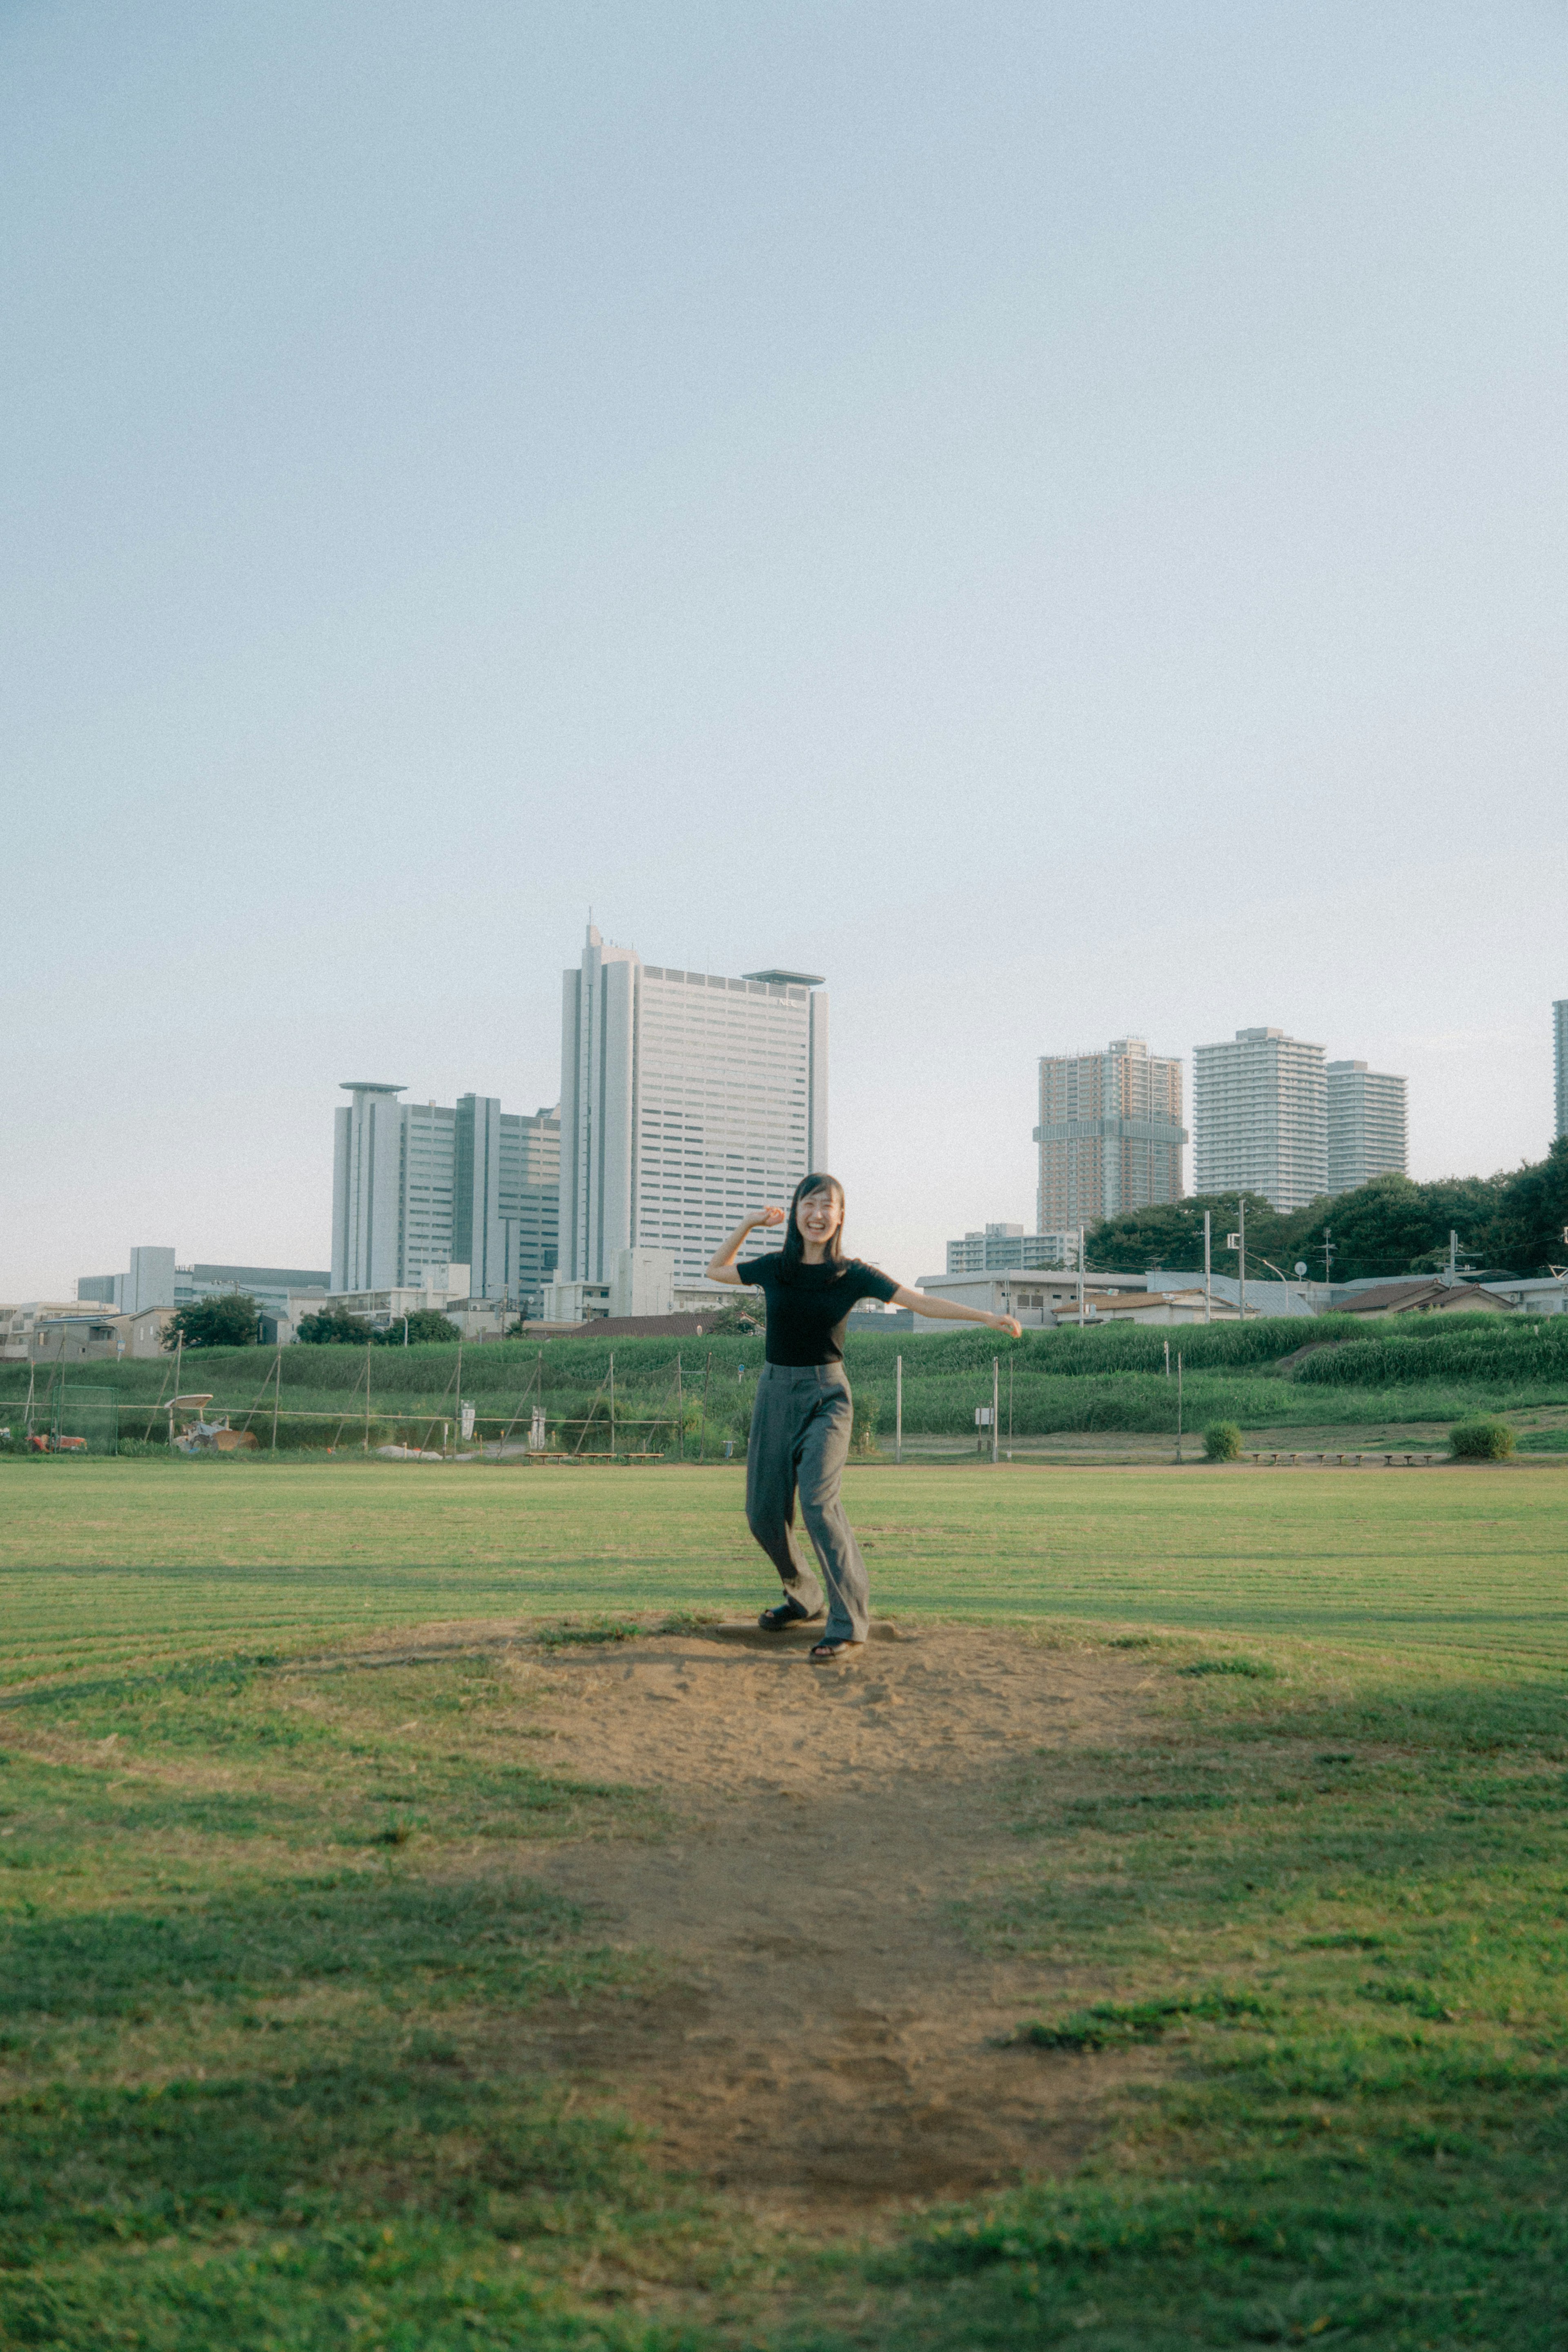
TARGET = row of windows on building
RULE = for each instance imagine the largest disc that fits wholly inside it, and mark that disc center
(1272, 1116)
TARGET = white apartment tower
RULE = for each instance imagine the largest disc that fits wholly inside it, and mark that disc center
(1260, 1117)
(686, 1098)
(1367, 1126)
(427, 1184)
(1110, 1134)
(1560, 1041)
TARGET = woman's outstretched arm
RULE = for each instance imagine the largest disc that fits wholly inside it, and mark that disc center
(721, 1266)
(945, 1311)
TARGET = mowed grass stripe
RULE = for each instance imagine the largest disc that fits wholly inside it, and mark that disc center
(98, 1561)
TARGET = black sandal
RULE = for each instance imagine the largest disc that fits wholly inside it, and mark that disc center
(832, 1653)
(788, 1612)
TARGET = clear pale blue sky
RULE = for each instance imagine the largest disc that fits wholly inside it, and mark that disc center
(1051, 515)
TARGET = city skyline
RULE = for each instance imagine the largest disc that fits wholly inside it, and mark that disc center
(738, 473)
(506, 1257)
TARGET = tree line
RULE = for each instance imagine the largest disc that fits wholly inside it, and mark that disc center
(1511, 1222)
(234, 1320)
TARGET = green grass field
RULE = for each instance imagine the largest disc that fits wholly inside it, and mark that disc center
(252, 1931)
(105, 1560)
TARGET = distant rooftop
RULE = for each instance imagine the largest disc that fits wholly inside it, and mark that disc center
(789, 979)
(370, 1086)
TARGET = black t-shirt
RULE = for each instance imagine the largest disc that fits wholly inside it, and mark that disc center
(806, 1316)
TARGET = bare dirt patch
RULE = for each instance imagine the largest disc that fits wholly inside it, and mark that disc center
(826, 2035)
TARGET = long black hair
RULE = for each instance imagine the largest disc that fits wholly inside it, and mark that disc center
(793, 1252)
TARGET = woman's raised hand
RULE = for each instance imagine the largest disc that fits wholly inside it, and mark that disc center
(1010, 1324)
(766, 1217)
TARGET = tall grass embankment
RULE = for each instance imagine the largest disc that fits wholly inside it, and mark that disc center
(1277, 1373)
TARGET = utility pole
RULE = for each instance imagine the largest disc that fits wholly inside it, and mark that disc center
(1178, 1404)
(1238, 1241)
(1453, 1258)
(680, 1415)
(898, 1408)
(366, 1448)
(996, 1400)
(276, 1388)
(1081, 1277)
(1208, 1265)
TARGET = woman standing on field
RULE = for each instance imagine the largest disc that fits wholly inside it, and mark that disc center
(802, 1415)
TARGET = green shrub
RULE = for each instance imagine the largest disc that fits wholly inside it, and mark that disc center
(1222, 1441)
(1481, 1441)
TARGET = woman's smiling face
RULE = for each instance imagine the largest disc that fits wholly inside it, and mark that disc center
(818, 1215)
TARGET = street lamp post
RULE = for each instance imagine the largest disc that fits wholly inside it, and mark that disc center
(1275, 1270)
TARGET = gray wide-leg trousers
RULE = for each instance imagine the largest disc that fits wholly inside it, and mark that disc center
(800, 1424)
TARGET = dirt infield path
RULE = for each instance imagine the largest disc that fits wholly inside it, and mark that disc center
(827, 2035)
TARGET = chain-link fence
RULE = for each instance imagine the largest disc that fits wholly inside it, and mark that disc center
(62, 1416)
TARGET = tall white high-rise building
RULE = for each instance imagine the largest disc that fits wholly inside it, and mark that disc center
(427, 1184)
(1367, 1126)
(687, 1099)
(1560, 1041)
(1260, 1117)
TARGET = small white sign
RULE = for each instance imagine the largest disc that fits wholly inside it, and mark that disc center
(983, 1416)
